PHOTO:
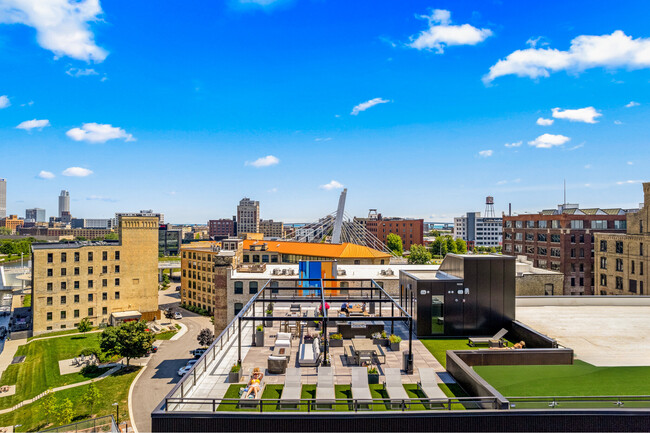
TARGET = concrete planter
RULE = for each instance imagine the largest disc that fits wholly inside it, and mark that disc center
(394, 347)
(373, 379)
(259, 338)
(380, 341)
(234, 377)
(336, 343)
(268, 323)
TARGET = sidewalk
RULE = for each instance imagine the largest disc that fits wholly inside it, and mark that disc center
(8, 353)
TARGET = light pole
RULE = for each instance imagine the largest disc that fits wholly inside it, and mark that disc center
(118, 412)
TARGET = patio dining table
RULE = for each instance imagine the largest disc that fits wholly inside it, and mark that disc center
(364, 346)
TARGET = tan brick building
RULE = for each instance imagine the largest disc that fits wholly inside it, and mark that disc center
(621, 259)
(12, 222)
(71, 281)
(272, 229)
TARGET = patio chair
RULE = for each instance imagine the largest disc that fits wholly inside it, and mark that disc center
(429, 385)
(473, 341)
(309, 353)
(360, 387)
(283, 339)
(292, 389)
(394, 388)
(325, 394)
(251, 401)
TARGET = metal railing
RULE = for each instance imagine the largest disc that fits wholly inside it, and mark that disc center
(580, 402)
(270, 405)
(101, 424)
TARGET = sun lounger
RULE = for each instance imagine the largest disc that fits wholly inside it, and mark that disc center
(360, 387)
(251, 401)
(429, 385)
(394, 388)
(473, 341)
(325, 394)
(309, 353)
(292, 388)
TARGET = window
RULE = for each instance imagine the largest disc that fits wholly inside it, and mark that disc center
(573, 252)
(555, 252)
(641, 249)
(184, 274)
(63, 272)
(117, 281)
(76, 271)
(104, 255)
(90, 284)
(519, 224)
(518, 249)
(64, 257)
(542, 251)
(49, 287)
(508, 236)
(582, 267)
(246, 258)
(573, 282)
(76, 257)
(50, 259)
(573, 239)
(90, 256)
(555, 224)
(599, 224)
(541, 237)
(49, 300)
(620, 225)
(632, 267)
(117, 255)
(49, 315)
(239, 288)
(104, 311)
(581, 239)
(238, 307)
(90, 311)
(577, 224)
(105, 282)
(90, 297)
(252, 287)
(105, 296)
(76, 284)
(63, 285)
(117, 269)
(619, 283)
(548, 289)
(50, 272)
(542, 264)
(76, 313)
(530, 249)
(90, 270)
(274, 259)
(631, 286)
(530, 237)
(603, 280)
(530, 224)
(603, 246)
(265, 258)
(117, 295)
(640, 268)
(619, 265)
(76, 299)
(555, 238)
(63, 315)
(582, 281)
(104, 269)
(256, 258)
(555, 266)
(582, 252)
(619, 247)
(541, 224)
(518, 236)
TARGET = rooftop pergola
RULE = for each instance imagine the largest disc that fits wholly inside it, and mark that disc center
(318, 294)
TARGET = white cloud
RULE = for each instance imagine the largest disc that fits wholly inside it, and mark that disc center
(323, 139)
(100, 198)
(588, 166)
(586, 115)
(607, 51)
(628, 182)
(515, 144)
(272, 190)
(618, 122)
(46, 174)
(485, 153)
(632, 104)
(98, 133)
(545, 122)
(77, 172)
(62, 26)
(28, 125)
(365, 105)
(76, 72)
(4, 101)
(265, 161)
(332, 185)
(547, 141)
(259, 2)
(441, 33)
(630, 163)
(27, 104)
(576, 147)
(502, 182)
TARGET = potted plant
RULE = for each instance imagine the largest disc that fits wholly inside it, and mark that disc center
(373, 375)
(394, 341)
(234, 376)
(336, 340)
(259, 336)
(269, 313)
(308, 338)
(380, 338)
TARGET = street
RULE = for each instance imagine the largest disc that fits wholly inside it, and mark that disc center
(160, 375)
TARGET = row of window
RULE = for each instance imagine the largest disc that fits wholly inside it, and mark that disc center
(76, 271)
(77, 256)
(76, 284)
(75, 299)
(265, 258)
(619, 265)
(619, 247)
(63, 315)
(632, 284)
(573, 224)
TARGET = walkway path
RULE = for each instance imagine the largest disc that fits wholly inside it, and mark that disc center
(61, 388)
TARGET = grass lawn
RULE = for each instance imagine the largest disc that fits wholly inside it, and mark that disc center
(112, 389)
(341, 392)
(165, 335)
(439, 347)
(27, 301)
(40, 370)
(579, 379)
(55, 333)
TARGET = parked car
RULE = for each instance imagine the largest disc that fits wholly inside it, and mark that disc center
(154, 349)
(183, 370)
(198, 352)
(178, 315)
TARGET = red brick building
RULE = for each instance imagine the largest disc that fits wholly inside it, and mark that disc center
(410, 230)
(562, 240)
(222, 228)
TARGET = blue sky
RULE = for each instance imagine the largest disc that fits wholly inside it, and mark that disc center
(186, 107)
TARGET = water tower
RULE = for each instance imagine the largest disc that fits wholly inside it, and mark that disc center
(489, 207)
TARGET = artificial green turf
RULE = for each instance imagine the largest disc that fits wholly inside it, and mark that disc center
(165, 335)
(579, 379)
(56, 333)
(40, 370)
(114, 388)
(439, 347)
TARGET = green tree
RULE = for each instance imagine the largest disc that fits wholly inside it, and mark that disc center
(112, 237)
(434, 233)
(65, 412)
(84, 326)
(394, 243)
(205, 337)
(451, 245)
(5, 231)
(492, 250)
(419, 255)
(49, 406)
(129, 340)
(91, 396)
(461, 246)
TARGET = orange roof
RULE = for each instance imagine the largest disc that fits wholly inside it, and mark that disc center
(345, 250)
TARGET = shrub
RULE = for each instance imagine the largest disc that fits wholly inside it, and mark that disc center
(383, 334)
(260, 328)
(373, 370)
(394, 338)
(90, 370)
(336, 337)
(376, 335)
(235, 368)
(89, 351)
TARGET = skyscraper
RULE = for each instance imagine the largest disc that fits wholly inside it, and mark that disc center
(3, 198)
(248, 216)
(36, 214)
(64, 203)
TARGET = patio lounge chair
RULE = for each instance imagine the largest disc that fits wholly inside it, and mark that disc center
(473, 341)
(251, 401)
(283, 339)
(325, 394)
(394, 388)
(429, 385)
(309, 353)
(292, 388)
(360, 387)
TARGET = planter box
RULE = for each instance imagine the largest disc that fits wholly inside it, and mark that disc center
(234, 377)
(336, 343)
(268, 323)
(373, 379)
(394, 347)
(259, 338)
(380, 341)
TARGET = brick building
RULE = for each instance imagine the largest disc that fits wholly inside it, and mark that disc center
(12, 222)
(410, 230)
(272, 229)
(222, 228)
(562, 240)
(621, 260)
